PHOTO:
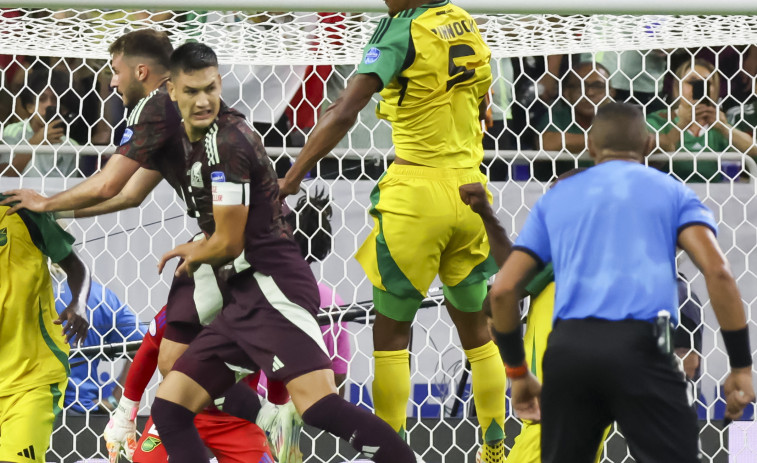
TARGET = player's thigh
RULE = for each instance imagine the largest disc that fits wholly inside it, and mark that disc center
(27, 422)
(150, 449)
(168, 354)
(412, 224)
(233, 440)
(205, 369)
(466, 257)
(311, 387)
(538, 327)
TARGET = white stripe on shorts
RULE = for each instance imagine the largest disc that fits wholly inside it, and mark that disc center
(207, 295)
(297, 315)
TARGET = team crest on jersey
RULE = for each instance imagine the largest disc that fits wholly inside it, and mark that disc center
(372, 56)
(196, 175)
(150, 444)
(3, 236)
(153, 327)
(217, 177)
(126, 136)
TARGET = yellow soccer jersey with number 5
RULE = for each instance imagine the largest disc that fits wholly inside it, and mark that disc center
(33, 352)
(434, 66)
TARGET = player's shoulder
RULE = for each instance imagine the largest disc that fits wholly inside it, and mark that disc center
(156, 106)
(232, 131)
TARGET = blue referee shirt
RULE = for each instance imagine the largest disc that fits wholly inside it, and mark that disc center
(611, 234)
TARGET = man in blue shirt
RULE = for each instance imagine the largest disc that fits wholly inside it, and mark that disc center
(611, 233)
(111, 321)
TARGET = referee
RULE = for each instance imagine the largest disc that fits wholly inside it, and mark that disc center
(611, 233)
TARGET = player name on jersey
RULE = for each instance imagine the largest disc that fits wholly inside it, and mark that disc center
(456, 29)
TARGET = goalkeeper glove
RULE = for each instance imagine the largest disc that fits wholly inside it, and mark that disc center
(121, 432)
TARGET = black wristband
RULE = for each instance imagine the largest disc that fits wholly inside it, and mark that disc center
(737, 347)
(510, 347)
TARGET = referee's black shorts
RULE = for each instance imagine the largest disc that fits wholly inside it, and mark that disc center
(597, 372)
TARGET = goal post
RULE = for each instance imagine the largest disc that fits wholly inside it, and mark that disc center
(283, 70)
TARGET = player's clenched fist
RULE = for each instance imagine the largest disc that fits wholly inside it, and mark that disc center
(121, 432)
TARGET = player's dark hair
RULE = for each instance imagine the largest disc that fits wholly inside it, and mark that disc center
(147, 43)
(192, 56)
(41, 78)
(311, 222)
(619, 127)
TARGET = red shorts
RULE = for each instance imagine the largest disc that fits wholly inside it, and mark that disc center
(230, 439)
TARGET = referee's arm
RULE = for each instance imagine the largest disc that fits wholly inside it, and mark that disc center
(700, 244)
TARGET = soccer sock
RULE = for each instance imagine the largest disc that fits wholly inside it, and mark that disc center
(177, 431)
(391, 387)
(488, 378)
(241, 401)
(364, 431)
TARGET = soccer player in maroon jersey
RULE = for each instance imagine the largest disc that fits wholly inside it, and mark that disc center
(149, 151)
(268, 320)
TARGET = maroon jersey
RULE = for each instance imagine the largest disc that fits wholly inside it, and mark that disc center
(153, 137)
(229, 166)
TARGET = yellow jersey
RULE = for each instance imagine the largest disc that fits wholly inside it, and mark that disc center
(32, 350)
(434, 66)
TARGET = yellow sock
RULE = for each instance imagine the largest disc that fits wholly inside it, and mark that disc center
(391, 387)
(489, 383)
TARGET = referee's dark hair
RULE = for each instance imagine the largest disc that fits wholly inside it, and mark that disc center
(619, 127)
(147, 43)
(192, 56)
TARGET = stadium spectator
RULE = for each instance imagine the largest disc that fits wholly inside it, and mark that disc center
(419, 230)
(46, 100)
(637, 76)
(609, 357)
(111, 322)
(33, 353)
(565, 126)
(696, 124)
(311, 224)
(744, 116)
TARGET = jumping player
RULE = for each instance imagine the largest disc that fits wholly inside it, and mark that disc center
(431, 66)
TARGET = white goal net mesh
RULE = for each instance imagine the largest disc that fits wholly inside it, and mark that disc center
(283, 70)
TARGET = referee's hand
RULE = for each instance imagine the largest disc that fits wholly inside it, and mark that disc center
(739, 392)
(526, 391)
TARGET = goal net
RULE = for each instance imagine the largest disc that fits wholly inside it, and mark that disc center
(283, 70)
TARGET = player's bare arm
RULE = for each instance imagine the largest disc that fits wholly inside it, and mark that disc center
(75, 314)
(331, 128)
(700, 244)
(474, 195)
(509, 284)
(94, 190)
(225, 244)
(132, 195)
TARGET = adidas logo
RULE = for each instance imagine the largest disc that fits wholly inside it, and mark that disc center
(277, 364)
(369, 451)
(28, 453)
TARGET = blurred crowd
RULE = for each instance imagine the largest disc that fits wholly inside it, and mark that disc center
(696, 101)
